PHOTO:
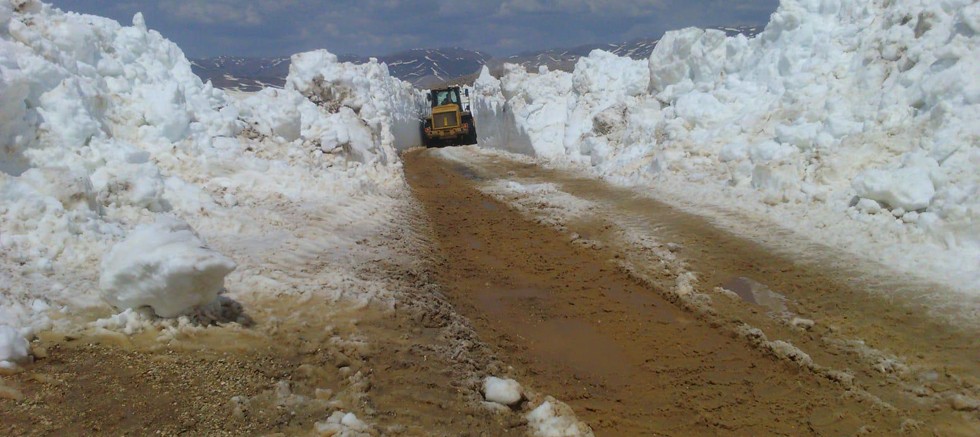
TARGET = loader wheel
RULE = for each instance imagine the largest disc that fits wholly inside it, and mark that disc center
(426, 142)
(471, 135)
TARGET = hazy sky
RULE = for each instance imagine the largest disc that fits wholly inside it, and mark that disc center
(376, 27)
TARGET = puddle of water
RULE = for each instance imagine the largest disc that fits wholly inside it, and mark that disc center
(640, 300)
(488, 205)
(467, 172)
(577, 344)
(572, 342)
(497, 301)
(473, 242)
(756, 293)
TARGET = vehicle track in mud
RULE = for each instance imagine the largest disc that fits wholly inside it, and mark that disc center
(578, 322)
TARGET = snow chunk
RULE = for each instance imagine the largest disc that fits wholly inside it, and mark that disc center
(684, 57)
(733, 152)
(907, 188)
(342, 424)
(274, 113)
(73, 190)
(787, 351)
(165, 266)
(555, 419)
(502, 391)
(602, 73)
(964, 403)
(13, 347)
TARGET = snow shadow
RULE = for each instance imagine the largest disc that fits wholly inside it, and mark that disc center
(222, 311)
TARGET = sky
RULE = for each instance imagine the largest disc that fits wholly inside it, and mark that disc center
(205, 28)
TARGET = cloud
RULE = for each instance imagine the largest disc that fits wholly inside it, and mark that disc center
(224, 11)
(377, 27)
(599, 7)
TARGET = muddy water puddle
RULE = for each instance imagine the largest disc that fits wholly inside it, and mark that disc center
(641, 299)
(756, 293)
(474, 243)
(591, 354)
(467, 172)
(490, 206)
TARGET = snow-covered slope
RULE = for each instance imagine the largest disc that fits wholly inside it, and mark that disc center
(117, 166)
(242, 73)
(854, 122)
(565, 58)
(429, 67)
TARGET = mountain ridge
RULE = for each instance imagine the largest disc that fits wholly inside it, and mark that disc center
(422, 67)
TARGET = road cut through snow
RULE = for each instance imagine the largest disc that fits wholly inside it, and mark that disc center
(855, 123)
(559, 300)
(236, 294)
(843, 326)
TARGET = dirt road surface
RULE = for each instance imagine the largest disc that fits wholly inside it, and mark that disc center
(646, 320)
(598, 308)
(405, 365)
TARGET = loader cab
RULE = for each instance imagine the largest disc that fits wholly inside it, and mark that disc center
(446, 96)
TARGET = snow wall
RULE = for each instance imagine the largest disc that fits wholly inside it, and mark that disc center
(856, 117)
(389, 106)
(109, 143)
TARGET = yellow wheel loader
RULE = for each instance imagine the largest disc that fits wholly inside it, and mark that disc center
(450, 122)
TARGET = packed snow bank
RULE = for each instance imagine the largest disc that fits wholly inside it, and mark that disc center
(502, 391)
(342, 424)
(13, 347)
(389, 107)
(857, 123)
(164, 266)
(497, 127)
(515, 115)
(555, 419)
(104, 129)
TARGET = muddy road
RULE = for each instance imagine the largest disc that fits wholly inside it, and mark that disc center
(650, 321)
(644, 319)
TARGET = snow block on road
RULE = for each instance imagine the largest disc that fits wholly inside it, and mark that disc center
(502, 391)
(164, 266)
(13, 347)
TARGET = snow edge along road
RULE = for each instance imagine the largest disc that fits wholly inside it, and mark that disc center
(852, 123)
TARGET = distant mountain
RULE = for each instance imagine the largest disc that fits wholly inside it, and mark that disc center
(243, 74)
(421, 67)
(424, 68)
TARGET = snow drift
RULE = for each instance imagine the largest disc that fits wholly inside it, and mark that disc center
(13, 347)
(164, 266)
(389, 106)
(855, 122)
(111, 148)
